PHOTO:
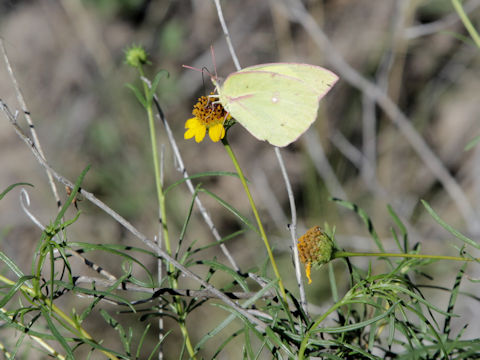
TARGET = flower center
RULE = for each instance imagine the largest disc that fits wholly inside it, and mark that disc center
(209, 112)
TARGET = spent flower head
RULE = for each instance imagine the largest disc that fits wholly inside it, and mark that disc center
(208, 115)
(315, 248)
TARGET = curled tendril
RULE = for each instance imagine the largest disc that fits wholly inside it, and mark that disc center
(25, 203)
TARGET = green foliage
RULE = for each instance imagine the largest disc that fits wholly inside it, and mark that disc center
(181, 295)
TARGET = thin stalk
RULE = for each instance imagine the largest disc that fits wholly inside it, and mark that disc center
(466, 22)
(257, 217)
(343, 254)
(304, 343)
(163, 212)
(156, 166)
(74, 324)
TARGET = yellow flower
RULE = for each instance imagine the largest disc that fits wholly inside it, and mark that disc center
(208, 115)
(314, 248)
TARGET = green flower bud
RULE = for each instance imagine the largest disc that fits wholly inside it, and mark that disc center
(136, 56)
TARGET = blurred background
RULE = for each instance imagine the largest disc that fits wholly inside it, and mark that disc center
(68, 59)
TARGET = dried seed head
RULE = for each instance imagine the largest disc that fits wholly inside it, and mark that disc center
(314, 248)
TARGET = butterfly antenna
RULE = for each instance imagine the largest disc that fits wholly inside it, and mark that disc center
(212, 51)
(204, 70)
(192, 68)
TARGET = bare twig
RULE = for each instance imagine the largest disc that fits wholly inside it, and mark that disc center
(320, 161)
(293, 229)
(280, 161)
(268, 198)
(227, 35)
(46, 347)
(369, 118)
(126, 224)
(349, 74)
(239, 26)
(25, 203)
(181, 166)
(157, 292)
(28, 118)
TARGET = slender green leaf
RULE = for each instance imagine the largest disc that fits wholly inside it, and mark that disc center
(13, 290)
(59, 337)
(358, 325)
(449, 228)
(453, 299)
(4, 192)
(472, 143)
(225, 342)
(231, 317)
(276, 340)
(401, 226)
(232, 209)
(72, 195)
(366, 219)
(159, 343)
(141, 99)
(200, 175)
(11, 264)
(155, 82)
(234, 274)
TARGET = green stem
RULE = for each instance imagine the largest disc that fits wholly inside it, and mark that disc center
(343, 254)
(466, 22)
(163, 212)
(81, 332)
(257, 217)
(156, 166)
(304, 343)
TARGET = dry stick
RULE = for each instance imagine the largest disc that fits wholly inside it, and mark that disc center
(238, 67)
(268, 198)
(157, 292)
(239, 26)
(369, 118)
(25, 203)
(293, 229)
(320, 161)
(227, 35)
(127, 225)
(280, 161)
(357, 158)
(36, 141)
(300, 15)
(161, 320)
(46, 347)
(25, 110)
(181, 167)
(368, 168)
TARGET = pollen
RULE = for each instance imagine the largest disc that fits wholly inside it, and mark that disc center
(208, 115)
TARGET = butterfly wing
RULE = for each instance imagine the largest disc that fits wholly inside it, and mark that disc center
(319, 78)
(272, 106)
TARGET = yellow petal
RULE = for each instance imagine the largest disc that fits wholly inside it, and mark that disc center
(192, 123)
(189, 134)
(216, 132)
(308, 270)
(200, 132)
